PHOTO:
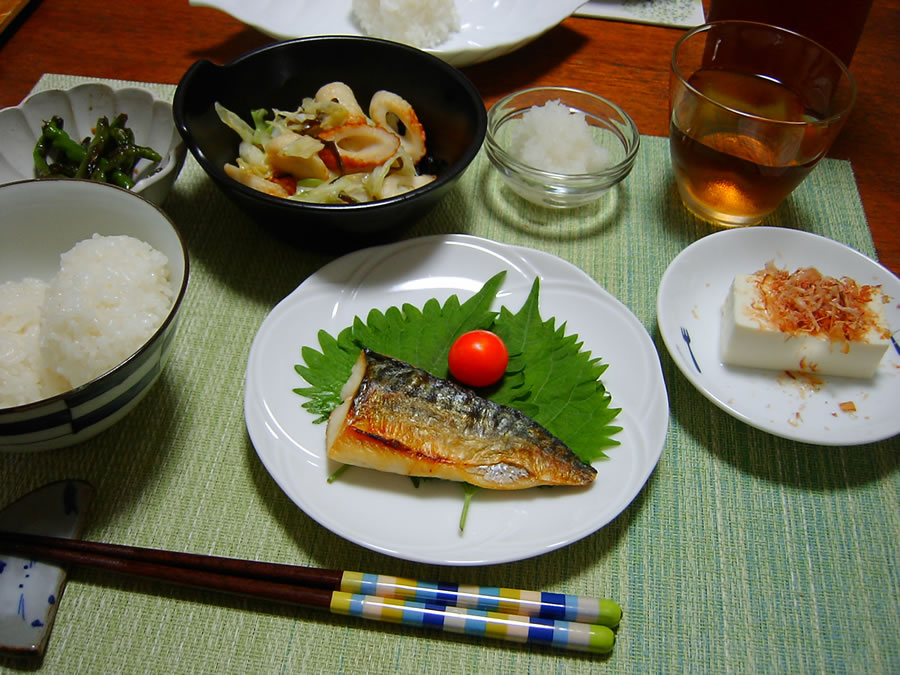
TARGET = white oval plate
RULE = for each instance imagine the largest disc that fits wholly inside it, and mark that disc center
(488, 29)
(384, 512)
(691, 294)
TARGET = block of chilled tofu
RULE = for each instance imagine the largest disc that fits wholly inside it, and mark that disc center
(804, 321)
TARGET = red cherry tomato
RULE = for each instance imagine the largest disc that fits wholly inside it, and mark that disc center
(478, 358)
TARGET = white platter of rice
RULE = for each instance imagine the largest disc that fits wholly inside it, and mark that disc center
(461, 32)
(91, 280)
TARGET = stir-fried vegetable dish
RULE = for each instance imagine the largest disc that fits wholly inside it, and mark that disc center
(329, 151)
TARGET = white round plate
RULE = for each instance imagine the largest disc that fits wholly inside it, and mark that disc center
(691, 294)
(488, 29)
(385, 512)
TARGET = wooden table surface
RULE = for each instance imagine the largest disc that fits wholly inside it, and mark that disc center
(157, 41)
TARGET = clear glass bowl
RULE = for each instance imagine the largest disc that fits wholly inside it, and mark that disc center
(611, 127)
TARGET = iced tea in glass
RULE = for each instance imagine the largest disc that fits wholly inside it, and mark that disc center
(753, 109)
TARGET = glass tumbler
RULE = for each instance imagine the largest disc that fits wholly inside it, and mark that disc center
(753, 108)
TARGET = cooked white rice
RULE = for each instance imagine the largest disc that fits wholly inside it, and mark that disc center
(108, 297)
(552, 138)
(421, 23)
(20, 354)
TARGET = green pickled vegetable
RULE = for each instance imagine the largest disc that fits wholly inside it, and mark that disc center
(109, 156)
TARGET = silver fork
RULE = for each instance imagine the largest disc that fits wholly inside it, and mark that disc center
(687, 339)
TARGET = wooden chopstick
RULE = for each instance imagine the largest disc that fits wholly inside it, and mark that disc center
(558, 620)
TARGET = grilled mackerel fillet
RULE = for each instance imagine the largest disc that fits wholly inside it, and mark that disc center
(398, 418)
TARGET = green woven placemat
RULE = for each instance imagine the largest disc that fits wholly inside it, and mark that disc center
(743, 553)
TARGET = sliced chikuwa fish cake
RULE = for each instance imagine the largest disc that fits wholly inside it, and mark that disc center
(400, 419)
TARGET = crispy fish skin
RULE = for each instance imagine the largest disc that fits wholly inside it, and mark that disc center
(398, 418)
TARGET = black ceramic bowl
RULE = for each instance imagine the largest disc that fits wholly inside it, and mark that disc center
(282, 74)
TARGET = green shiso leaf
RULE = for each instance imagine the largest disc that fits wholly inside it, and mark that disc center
(560, 385)
(420, 337)
(423, 337)
(549, 378)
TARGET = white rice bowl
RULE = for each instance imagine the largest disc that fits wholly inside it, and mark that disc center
(87, 247)
(421, 23)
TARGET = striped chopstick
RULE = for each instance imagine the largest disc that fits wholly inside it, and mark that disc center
(539, 604)
(549, 619)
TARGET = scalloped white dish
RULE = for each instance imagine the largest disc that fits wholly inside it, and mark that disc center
(385, 512)
(488, 29)
(691, 294)
(148, 117)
